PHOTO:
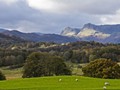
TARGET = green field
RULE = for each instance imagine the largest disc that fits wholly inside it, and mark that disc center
(52, 83)
(15, 82)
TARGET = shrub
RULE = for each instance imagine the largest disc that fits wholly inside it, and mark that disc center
(2, 77)
(102, 68)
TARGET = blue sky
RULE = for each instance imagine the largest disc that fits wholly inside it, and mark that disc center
(52, 16)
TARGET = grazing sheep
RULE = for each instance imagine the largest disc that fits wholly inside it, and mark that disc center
(60, 80)
(107, 83)
(104, 87)
(76, 79)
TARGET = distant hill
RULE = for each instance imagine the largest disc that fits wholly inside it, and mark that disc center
(2, 30)
(24, 36)
(38, 37)
(7, 40)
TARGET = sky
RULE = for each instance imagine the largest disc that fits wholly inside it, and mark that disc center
(52, 16)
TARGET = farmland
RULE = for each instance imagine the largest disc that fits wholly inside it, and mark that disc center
(52, 83)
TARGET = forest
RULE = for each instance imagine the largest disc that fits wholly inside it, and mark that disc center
(77, 52)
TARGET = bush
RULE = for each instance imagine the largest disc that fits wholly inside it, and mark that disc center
(2, 77)
(102, 68)
(44, 64)
(79, 66)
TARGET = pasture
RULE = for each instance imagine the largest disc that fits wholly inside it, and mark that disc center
(53, 83)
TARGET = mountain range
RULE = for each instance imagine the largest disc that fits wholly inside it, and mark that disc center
(89, 32)
(37, 37)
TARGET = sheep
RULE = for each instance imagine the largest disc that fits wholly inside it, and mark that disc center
(60, 80)
(104, 87)
(76, 79)
(107, 83)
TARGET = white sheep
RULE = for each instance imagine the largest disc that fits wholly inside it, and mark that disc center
(104, 87)
(107, 83)
(76, 79)
(60, 80)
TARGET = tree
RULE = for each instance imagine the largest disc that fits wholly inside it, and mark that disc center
(10, 60)
(2, 77)
(68, 55)
(108, 52)
(102, 68)
(19, 59)
(44, 64)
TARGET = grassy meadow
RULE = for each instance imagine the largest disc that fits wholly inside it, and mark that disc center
(53, 83)
(15, 82)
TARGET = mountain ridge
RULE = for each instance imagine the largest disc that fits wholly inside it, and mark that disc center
(89, 32)
(38, 37)
(100, 33)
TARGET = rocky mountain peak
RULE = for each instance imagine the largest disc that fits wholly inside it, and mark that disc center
(100, 33)
(68, 31)
(89, 25)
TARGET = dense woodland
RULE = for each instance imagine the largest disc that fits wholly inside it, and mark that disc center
(15, 54)
(49, 59)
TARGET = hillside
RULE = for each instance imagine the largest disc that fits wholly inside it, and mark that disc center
(2, 30)
(6, 40)
(52, 83)
(37, 37)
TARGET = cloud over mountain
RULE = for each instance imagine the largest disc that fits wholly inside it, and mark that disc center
(50, 16)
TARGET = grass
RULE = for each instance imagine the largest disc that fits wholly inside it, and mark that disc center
(52, 83)
(11, 73)
(15, 82)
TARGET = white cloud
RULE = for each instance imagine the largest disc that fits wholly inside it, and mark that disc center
(47, 5)
(86, 6)
(58, 6)
(8, 2)
(111, 19)
(50, 16)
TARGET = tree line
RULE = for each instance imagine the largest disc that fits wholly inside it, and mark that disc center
(51, 57)
(77, 52)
